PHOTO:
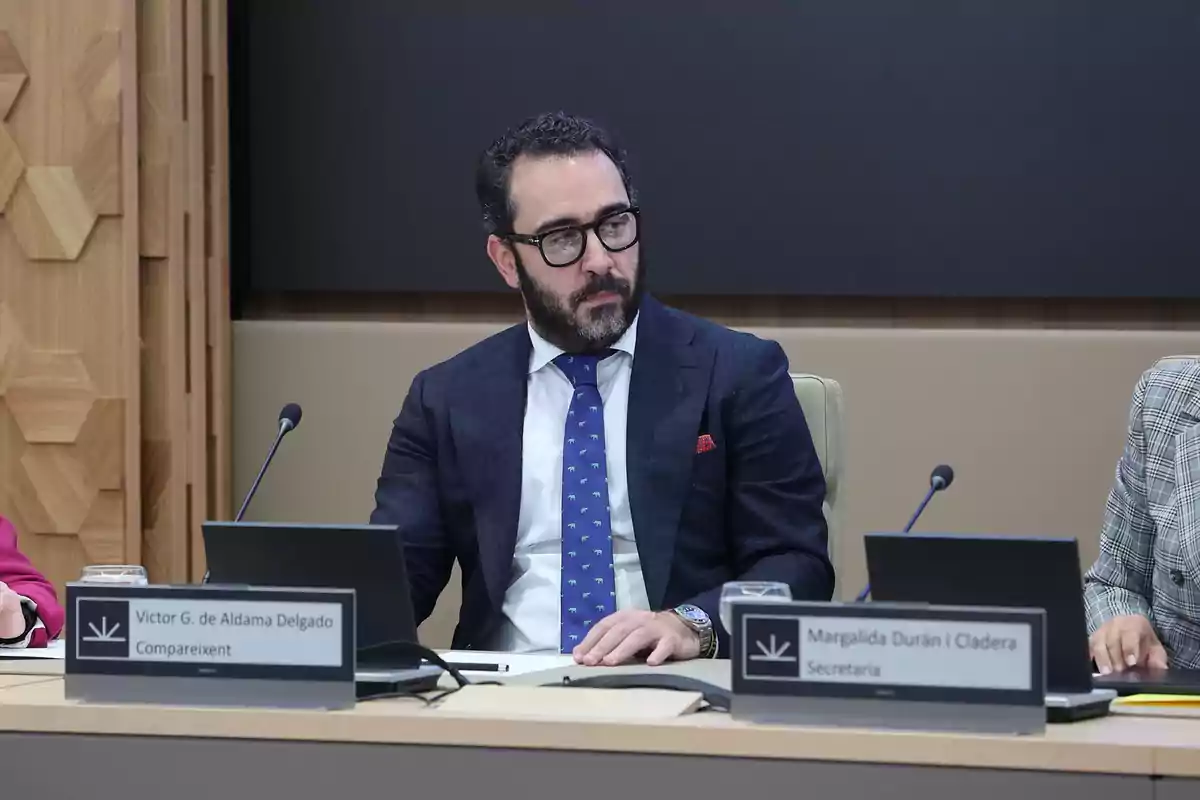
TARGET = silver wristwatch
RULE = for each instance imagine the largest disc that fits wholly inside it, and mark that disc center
(695, 618)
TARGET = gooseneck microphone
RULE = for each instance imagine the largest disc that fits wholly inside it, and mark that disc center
(941, 478)
(289, 420)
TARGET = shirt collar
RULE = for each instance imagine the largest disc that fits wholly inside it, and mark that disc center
(543, 352)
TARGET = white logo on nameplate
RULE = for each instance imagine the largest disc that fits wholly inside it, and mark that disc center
(772, 649)
(102, 627)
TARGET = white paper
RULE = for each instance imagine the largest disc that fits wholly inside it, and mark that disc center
(54, 650)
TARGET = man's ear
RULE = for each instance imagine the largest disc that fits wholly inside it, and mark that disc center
(502, 256)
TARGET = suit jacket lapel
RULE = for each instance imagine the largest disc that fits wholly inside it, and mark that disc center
(487, 427)
(667, 397)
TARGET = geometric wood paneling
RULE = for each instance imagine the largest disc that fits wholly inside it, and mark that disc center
(111, 365)
(11, 345)
(50, 395)
(98, 78)
(98, 169)
(12, 74)
(60, 486)
(102, 535)
(18, 497)
(12, 165)
(100, 444)
(50, 214)
(66, 279)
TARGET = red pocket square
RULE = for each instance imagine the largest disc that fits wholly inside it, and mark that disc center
(705, 443)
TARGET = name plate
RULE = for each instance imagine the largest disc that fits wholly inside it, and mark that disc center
(211, 645)
(890, 665)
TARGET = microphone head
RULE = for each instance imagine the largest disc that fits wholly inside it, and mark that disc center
(941, 477)
(289, 416)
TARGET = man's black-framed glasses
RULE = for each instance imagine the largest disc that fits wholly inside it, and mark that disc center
(562, 247)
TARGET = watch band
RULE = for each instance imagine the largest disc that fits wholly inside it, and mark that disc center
(699, 621)
(709, 644)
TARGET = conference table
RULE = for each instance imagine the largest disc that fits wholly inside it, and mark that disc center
(526, 740)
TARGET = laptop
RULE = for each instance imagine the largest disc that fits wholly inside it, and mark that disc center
(1176, 680)
(366, 558)
(1000, 571)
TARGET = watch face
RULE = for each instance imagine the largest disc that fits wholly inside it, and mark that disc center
(694, 615)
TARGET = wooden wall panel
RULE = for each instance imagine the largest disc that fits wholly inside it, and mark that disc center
(69, 373)
(185, 309)
(166, 491)
(194, 222)
(113, 287)
(216, 254)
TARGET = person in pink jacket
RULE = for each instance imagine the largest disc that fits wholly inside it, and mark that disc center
(30, 614)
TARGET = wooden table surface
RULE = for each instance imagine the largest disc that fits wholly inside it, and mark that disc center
(1118, 744)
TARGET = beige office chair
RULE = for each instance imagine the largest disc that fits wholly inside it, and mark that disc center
(821, 400)
(1175, 359)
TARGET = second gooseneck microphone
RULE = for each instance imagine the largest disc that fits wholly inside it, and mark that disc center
(941, 478)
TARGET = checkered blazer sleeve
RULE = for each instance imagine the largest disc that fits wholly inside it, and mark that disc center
(1119, 583)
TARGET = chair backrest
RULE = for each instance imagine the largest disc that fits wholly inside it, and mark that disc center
(1176, 359)
(821, 400)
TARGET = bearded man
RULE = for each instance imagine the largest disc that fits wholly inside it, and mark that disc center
(602, 469)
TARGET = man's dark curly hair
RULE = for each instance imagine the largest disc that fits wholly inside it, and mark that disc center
(548, 134)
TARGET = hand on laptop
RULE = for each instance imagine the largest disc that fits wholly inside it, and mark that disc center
(1127, 641)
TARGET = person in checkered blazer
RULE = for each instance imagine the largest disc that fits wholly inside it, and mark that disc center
(1143, 593)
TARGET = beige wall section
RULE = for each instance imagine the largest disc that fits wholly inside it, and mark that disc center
(1032, 421)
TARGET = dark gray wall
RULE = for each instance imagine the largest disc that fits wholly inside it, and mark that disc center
(1020, 148)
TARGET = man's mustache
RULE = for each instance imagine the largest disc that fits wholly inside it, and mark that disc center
(603, 283)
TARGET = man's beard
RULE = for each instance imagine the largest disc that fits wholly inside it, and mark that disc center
(556, 321)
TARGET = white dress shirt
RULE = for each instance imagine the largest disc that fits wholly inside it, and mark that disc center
(532, 602)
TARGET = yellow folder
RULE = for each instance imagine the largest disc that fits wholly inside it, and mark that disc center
(1159, 700)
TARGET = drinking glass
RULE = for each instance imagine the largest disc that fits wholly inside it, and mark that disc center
(130, 574)
(750, 591)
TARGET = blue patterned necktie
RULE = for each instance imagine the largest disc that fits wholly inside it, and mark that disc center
(588, 594)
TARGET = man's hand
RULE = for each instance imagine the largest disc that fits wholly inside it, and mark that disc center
(620, 637)
(12, 618)
(1127, 641)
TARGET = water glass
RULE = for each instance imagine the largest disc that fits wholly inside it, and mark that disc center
(127, 574)
(750, 591)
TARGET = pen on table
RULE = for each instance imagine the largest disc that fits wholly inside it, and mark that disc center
(478, 667)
